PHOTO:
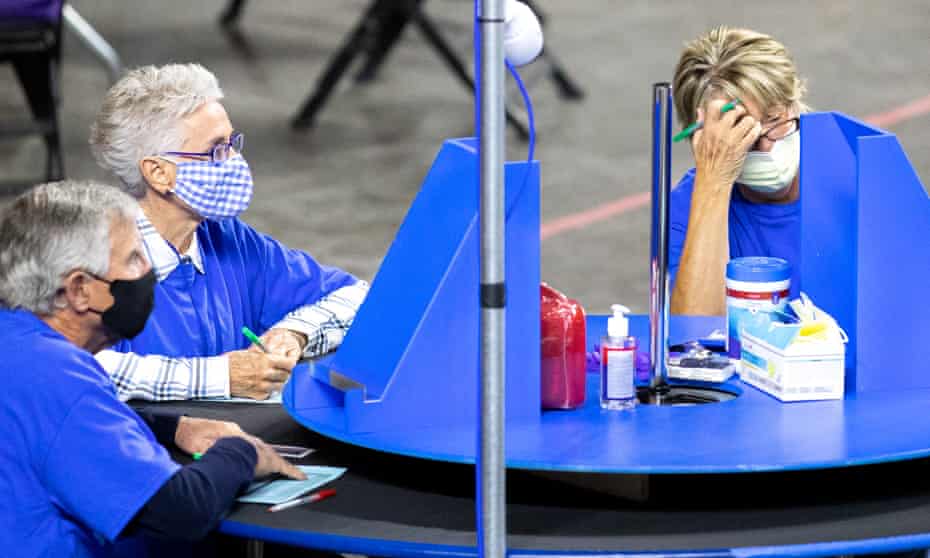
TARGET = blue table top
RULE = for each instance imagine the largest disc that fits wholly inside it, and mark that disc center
(751, 433)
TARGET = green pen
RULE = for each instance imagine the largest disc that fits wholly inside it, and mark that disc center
(254, 339)
(698, 125)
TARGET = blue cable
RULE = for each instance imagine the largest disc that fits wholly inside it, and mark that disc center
(531, 124)
(529, 113)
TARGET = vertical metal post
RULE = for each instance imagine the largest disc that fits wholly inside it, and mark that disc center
(491, 501)
(658, 258)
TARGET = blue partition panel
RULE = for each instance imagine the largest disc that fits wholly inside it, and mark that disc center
(893, 326)
(865, 254)
(828, 223)
(411, 357)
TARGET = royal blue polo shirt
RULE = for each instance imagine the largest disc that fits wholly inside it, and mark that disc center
(755, 229)
(249, 279)
(76, 464)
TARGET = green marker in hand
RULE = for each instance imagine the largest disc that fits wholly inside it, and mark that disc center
(698, 125)
(254, 339)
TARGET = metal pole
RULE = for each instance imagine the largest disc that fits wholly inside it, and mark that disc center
(491, 501)
(658, 258)
(91, 38)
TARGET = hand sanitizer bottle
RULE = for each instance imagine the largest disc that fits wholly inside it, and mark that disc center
(618, 362)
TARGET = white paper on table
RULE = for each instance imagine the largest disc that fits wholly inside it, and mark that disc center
(274, 398)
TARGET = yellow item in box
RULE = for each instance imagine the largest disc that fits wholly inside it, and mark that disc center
(802, 360)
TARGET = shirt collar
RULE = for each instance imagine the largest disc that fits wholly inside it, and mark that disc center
(162, 254)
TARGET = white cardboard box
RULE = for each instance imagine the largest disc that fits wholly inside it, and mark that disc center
(773, 361)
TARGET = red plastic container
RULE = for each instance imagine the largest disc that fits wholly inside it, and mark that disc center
(562, 336)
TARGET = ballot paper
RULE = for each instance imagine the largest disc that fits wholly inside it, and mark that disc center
(278, 491)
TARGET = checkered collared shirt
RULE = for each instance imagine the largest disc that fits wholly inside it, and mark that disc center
(160, 378)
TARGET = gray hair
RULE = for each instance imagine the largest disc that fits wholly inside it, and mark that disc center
(52, 230)
(142, 115)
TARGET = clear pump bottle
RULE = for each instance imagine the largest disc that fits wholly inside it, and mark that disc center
(618, 362)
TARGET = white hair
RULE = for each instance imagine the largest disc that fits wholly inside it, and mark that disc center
(52, 230)
(142, 116)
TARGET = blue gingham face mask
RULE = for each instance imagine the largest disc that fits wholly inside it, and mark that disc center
(215, 190)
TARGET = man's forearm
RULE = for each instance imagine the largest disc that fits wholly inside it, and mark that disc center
(193, 501)
(161, 378)
(162, 422)
(699, 284)
(325, 322)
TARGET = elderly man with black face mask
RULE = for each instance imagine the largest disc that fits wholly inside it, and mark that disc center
(165, 133)
(80, 469)
(743, 196)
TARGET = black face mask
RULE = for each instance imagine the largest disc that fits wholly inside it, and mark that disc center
(133, 301)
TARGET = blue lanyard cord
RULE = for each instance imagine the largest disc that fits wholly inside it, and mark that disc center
(531, 124)
(529, 110)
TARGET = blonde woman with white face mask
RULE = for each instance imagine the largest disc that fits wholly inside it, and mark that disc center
(742, 196)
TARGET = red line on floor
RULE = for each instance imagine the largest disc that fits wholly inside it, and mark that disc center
(584, 218)
(896, 115)
(602, 212)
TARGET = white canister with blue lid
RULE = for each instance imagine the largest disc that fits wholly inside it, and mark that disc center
(754, 285)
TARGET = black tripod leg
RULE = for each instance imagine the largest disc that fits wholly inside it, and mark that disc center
(458, 67)
(232, 13)
(338, 65)
(567, 87)
(537, 10)
(389, 32)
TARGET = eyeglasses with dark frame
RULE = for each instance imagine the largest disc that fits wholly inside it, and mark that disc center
(219, 153)
(781, 130)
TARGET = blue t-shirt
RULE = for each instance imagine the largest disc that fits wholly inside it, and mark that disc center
(76, 464)
(756, 229)
(249, 279)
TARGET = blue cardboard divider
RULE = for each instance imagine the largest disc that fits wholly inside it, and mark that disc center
(411, 357)
(865, 255)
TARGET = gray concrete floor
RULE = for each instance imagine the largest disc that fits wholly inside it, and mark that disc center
(341, 190)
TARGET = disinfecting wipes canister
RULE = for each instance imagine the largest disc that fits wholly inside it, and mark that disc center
(754, 285)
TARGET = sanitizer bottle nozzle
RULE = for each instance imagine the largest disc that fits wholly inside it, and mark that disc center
(618, 325)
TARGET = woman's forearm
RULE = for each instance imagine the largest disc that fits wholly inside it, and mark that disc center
(699, 283)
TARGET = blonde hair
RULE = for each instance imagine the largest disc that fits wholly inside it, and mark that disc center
(735, 63)
(142, 115)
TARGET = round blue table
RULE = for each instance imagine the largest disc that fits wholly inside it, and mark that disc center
(751, 433)
(822, 478)
(390, 505)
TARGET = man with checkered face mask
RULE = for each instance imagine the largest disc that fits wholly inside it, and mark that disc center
(164, 132)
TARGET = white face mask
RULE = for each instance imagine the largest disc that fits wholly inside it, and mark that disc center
(768, 172)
